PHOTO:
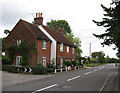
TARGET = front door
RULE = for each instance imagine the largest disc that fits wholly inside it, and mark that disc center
(18, 59)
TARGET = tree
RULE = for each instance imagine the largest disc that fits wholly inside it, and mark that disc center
(6, 32)
(55, 24)
(111, 22)
(99, 56)
(67, 32)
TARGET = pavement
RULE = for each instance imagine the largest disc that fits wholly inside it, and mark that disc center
(16, 78)
(100, 78)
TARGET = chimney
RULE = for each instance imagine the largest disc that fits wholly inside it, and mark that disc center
(60, 30)
(38, 20)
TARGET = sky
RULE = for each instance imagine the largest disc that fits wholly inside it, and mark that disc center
(78, 13)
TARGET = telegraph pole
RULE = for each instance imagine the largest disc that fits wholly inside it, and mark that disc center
(90, 50)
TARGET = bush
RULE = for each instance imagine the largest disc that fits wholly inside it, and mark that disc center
(79, 63)
(39, 70)
(67, 63)
(49, 70)
(74, 63)
(9, 68)
(6, 61)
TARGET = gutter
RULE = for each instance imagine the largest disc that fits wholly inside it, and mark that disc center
(37, 50)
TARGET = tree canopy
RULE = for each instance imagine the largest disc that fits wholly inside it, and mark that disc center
(55, 24)
(111, 22)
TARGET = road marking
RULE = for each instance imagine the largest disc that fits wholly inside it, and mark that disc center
(87, 73)
(95, 70)
(73, 78)
(45, 88)
(101, 89)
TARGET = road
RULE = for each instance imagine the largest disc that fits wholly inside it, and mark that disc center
(101, 78)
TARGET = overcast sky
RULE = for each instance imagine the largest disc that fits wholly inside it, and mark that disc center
(78, 13)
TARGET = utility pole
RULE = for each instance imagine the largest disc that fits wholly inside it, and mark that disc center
(90, 50)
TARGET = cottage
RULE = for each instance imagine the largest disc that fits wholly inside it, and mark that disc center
(51, 45)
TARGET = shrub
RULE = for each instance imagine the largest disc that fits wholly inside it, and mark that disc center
(79, 63)
(6, 61)
(39, 70)
(9, 68)
(74, 63)
(49, 70)
(67, 63)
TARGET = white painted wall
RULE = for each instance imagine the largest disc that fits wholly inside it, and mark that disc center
(53, 44)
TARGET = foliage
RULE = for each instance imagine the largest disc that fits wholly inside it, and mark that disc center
(79, 63)
(93, 60)
(67, 63)
(24, 49)
(67, 32)
(55, 24)
(99, 56)
(3, 44)
(50, 66)
(50, 70)
(6, 61)
(9, 68)
(7, 32)
(74, 63)
(111, 22)
(37, 70)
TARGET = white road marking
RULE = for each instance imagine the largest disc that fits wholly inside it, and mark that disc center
(87, 73)
(45, 88)
(73, 78)
(95, 70)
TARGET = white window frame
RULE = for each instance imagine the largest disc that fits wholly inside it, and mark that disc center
(44, 61)
(67, 49)
(73, 50)
(61, 62)
(44, 43)
(19, 42)
(61, 47)
(18, 59)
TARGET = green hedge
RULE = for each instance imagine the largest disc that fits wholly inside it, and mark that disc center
(74, 63)
(50, 70)
(9, 68)
(6, 61)
(39, 70)
(67, 63)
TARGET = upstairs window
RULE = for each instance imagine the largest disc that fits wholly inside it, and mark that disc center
(61, 47)
(73, 50)
(18, 42)
(43, 44)
(67, 49)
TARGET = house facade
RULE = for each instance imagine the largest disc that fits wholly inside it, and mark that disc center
(51, 45)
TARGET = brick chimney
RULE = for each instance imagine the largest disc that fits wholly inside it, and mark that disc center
(38, 20)
(60, 30)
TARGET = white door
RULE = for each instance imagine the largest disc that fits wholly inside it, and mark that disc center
(61, 62)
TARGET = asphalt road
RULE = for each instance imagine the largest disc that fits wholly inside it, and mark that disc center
(101, 78)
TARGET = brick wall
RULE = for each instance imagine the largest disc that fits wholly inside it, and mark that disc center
(65, 55)
(43, 53)
(21, 32)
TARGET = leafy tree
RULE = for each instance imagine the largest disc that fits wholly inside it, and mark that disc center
(6, 32)
(55, 24)
(67, 32)
(99, 56)
(111, 22)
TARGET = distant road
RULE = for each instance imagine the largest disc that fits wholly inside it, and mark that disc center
(100, 78)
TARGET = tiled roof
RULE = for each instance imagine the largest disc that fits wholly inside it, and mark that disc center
(39, 34)
(58, 36)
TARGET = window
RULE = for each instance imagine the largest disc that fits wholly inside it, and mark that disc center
(44, 61)
(67, 49)
(61, 47)
(73, 50)
(18, 42)
(18, 59)
(43, 44)
(61, 62)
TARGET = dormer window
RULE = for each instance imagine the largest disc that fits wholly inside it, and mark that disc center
(18, 42)
(61, 47)
(44, 44)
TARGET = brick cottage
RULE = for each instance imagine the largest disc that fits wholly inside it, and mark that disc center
(52, 46)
